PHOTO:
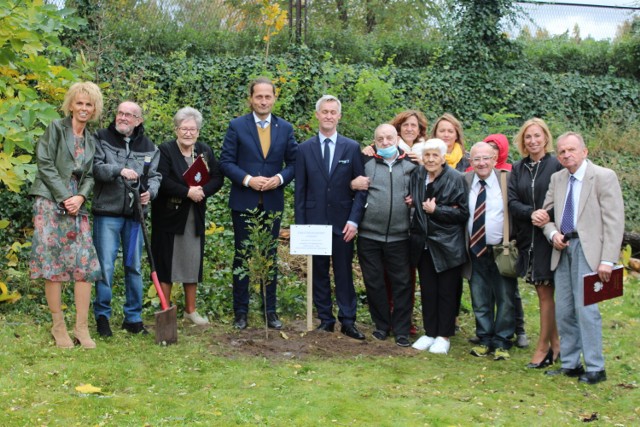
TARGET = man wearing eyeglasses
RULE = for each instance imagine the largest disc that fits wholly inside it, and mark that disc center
(258, 156)
(123, 153)
(492, 294)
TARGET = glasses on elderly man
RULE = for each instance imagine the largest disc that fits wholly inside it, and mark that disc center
(482, 159)
(126, 115)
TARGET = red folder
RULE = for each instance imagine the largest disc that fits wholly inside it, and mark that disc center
(197, 174)
(596, 291)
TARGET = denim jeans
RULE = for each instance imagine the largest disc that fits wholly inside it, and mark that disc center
(108, 234)
(493, 299)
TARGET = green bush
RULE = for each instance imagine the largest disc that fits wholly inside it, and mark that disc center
(562, 54)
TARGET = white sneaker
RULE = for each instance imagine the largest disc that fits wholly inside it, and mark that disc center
(440, 346)
(196, 319)
(423, 343)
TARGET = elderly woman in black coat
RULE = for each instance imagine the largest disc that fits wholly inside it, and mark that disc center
(438, 247)
(178, 212)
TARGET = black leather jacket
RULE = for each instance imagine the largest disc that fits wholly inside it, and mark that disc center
(443, 230)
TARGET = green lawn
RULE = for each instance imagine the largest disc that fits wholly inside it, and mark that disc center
(192, 384)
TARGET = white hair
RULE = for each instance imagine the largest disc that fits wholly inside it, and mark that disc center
(435, 144)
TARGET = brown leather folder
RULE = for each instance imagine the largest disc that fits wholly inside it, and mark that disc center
(197, 174)
(596, 291)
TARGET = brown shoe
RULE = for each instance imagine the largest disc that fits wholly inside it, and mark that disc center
(81, 334)
(59, 331)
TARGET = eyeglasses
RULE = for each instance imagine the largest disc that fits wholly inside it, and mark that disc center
(126, 115)
(188, 130)
(482, 159)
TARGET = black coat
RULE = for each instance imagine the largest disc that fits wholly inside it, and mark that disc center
(170, 209)
(525, 196)
(443, 230)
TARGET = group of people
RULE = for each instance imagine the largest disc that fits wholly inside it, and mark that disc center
(423, 207)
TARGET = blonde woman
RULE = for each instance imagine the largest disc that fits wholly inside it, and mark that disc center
(62, 247)
(528, 186)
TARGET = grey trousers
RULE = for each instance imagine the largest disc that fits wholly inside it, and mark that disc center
(579, 326)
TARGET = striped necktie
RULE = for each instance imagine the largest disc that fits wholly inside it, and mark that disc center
(478, 242)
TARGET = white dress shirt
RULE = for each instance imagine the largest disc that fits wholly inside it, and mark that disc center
(494, 214)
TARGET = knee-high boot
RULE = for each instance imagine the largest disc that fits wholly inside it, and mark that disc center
(53, 292)
(82, 294)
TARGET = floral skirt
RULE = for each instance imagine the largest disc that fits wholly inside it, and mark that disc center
(62, 248)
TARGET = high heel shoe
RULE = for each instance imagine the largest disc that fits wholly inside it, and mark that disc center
(547, 361)
(82, 337)
(556, 357)
(59, 331)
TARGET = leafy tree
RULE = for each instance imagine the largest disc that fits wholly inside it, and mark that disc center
(32, 80)
(32, 84)
(479, 37)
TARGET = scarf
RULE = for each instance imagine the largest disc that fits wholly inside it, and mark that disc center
(454, 157)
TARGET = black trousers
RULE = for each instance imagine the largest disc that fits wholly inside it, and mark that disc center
(438, 293)
(376, 257)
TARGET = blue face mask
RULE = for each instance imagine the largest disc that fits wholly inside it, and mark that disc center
(387, 153)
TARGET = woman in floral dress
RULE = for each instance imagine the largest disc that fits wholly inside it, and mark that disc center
(62, 248)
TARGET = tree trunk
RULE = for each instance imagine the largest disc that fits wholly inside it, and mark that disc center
(371, 17)
(342, 12)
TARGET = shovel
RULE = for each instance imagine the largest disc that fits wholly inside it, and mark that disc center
(166, 320)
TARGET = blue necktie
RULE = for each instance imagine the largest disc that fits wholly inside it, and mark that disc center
(478, 241)
(263, 123)
(327, 155)
(567, 216)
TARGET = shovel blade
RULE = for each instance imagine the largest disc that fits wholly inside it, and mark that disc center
(167, 326)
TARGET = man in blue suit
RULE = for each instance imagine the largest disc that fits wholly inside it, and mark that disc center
(258, 156)
(325, 166)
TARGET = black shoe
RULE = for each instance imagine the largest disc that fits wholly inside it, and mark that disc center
(592, 378)
(403, 341)
(474, 340)
(547, 361)
(569, 372)
(352, 332)
(240, 321)
(104, 330)
(325, 327)
(273, 322)
(379, 334)
(135, 328)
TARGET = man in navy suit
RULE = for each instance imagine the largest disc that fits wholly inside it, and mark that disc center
(258, 156)
(325, 166)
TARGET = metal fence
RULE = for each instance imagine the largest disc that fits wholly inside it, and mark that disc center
(595, 21)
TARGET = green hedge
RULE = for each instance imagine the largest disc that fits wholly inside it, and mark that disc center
(371, 95)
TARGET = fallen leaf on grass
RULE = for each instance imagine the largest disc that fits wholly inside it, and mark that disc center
(588, 418)
(88, 389)
(283, 335)
(623, 385)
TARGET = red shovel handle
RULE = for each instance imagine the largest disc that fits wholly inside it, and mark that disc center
(156, 283)
(140, 213)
